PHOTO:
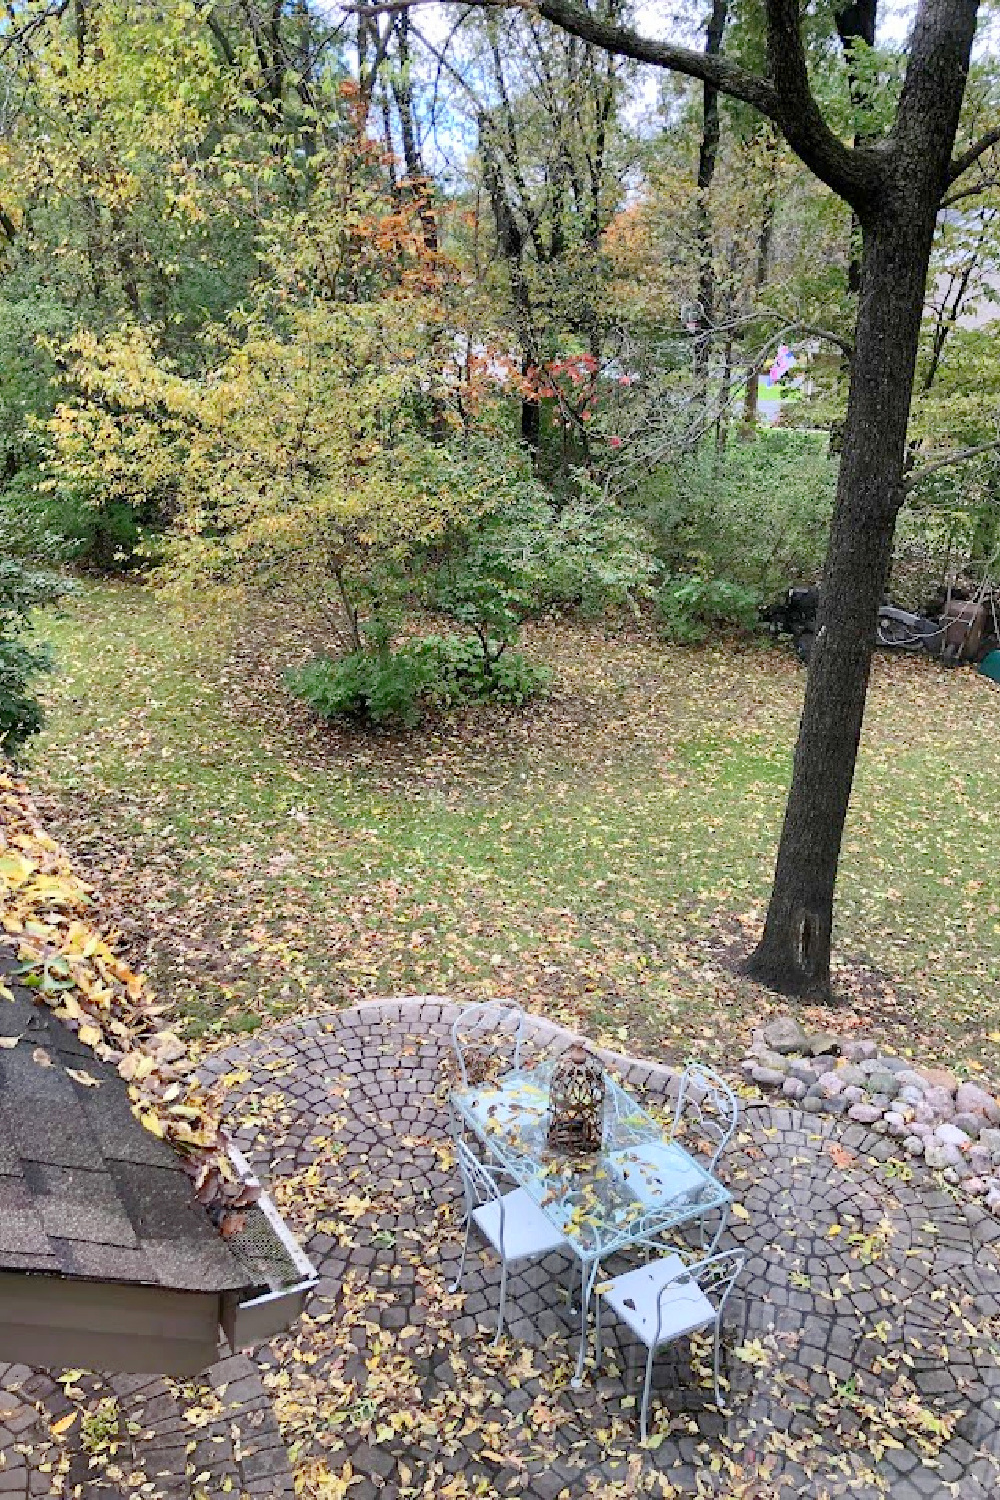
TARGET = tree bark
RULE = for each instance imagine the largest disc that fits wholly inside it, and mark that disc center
(708, 155)
(793, 955)
(794, 952)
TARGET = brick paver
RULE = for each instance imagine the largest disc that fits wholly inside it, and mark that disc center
(869, 1326)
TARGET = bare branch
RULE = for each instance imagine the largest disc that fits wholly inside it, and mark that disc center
(959, 456)
(983, 186)
(969, 158)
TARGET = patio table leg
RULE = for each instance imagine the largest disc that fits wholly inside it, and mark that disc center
(586, 1291)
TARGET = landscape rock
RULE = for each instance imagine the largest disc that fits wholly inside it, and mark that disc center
(883, 1082)
(851, 1076)
(921, 1128)
(948, 1134)
(971, 1124)
(785, 1034)
(835, 1105)
(794, 1088)
(911, 1095)
(980, 1160)
(975, 1187)
(858, 1051)
(812, 1104)
(768, 1078)
(993, 1200)
(913, 1145)
(940, 1156)
(939, 1099)
(823, 1043)
(882, 1102)
(896, 1125)
(909, 1078)
(830, 1083)
(865, 1114)
(854, 1095)
(893, 1064)
(972, 1099)
(939, 1078)
(807, 1069)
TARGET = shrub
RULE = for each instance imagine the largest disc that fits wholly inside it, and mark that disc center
(21, 593)
(690, 608)
(757, 515)
(382, 686)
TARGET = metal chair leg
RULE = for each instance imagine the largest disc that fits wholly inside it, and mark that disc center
(598, 1350)
(718, 1341)
(503, 1299)
(465, 1250)
(644, 1410)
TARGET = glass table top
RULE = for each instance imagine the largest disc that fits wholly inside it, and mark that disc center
(637, 1186)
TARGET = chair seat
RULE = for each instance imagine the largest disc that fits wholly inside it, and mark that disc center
(635, 1297)
(527, 1231)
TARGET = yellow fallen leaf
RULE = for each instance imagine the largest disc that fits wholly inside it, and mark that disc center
(90, 1036)
(64, 1424)
(81, 1076)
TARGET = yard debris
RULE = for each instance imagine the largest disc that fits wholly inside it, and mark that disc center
(73, 969)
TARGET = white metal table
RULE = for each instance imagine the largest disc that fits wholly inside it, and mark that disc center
(640, 1185)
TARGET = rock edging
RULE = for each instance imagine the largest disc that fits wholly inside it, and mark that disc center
(953, 1126)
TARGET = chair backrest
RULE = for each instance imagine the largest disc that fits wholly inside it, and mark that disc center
(716, 1276)
(706, 1098)
(478, 1182)
(487, 1039)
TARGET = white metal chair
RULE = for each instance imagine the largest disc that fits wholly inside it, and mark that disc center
(665, 1300)
(483, 1033)
(706, 1099)
(511, 1222)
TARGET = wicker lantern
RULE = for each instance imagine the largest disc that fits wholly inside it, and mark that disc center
(576, 1102)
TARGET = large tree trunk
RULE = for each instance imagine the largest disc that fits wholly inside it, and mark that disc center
(794, 953)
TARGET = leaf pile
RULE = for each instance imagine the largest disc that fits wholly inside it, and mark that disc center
(75, 972)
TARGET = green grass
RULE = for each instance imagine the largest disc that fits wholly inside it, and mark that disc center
(597, 856)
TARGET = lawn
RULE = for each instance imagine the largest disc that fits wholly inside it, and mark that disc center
(603, 856)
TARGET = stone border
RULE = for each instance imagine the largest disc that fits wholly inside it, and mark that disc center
(952, 1125)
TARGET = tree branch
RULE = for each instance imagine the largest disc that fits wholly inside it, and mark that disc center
(785, 97)
(969, 158)
(714, 69)
(959, 456)
(969, 192)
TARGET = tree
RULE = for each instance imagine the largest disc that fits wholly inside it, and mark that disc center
(895, 183)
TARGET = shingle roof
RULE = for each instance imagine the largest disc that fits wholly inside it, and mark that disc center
(85, 1190)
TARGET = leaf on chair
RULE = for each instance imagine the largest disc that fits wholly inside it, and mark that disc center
(629, 1303)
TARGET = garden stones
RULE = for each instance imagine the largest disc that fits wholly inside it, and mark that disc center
(953, 1125)
(786, 1035)
(969, 1097)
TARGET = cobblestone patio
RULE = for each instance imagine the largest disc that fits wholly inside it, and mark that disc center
(869, 1328)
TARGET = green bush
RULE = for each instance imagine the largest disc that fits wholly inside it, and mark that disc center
(689, 609)
(757, 515)
(21, 593)
(383, 686)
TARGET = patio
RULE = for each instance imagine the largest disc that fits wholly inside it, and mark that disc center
(869, 1340)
